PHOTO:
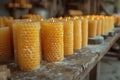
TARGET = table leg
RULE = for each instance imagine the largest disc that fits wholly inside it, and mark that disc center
(93, 75)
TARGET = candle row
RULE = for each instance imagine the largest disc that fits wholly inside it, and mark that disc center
(5, 44)
(54, 38)
(99, 25)
(4, 20)
(117, 20)
(6, 48)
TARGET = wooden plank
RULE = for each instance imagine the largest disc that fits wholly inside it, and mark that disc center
(74, 67)
(100, 57)
(104, 8)
(113, 54)
(93, 7)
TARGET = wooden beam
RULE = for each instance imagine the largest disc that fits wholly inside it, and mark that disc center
(113, 54)
(104, 8)
(94, 72)
(93, 8)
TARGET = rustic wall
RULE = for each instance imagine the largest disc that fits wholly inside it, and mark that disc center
(3, 7)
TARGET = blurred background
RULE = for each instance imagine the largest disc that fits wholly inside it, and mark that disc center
(55, 8)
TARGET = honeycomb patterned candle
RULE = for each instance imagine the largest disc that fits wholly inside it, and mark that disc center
(5, 46)
(77, 34)
(68, 37)
(52, 41)
(28, 45)
(15, 26)
(84, 32)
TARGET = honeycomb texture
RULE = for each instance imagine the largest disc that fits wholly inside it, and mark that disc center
(77, 34)
(52, 41)
(28, 46)
(15, 29)
(68, 37)
(5, 45)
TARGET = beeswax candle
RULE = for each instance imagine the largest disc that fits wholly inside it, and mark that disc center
(68, 37)
(28, 45)
(92, 28)
(103, 25)
(99, 26)
(15, 25)
(1, 22)
(106, 25)
(9, 23)
(15, 41)
(77, 34)
(52, 41)
(5, 46)
(84, 32)
(113, 22)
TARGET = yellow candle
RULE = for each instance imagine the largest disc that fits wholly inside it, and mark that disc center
(99, 26)
(5, 45)
(28, 45)
(1, 22)
(103, 26)
(68, 37)
(60, 18)
(15, 25)
(92, 28)
(118, 20)
(84, 32)
(15, 41)
(9, 23)
(77, 34)
(111, 22)
(106, 25)
(52, 41)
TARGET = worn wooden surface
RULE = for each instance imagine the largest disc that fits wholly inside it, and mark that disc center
(74, 67)
(4, 72)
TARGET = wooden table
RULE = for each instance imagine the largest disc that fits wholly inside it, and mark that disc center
(74, 67)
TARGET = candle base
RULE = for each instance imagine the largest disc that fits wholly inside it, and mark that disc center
(95, 40)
